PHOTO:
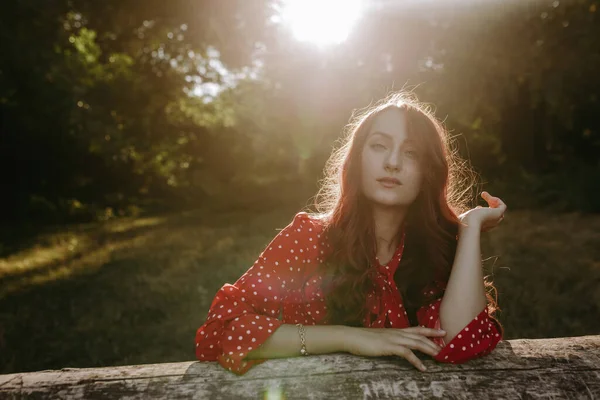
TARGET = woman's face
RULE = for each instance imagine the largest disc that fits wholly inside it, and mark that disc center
(391, 169)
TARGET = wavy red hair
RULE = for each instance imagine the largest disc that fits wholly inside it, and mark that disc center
(431, 225)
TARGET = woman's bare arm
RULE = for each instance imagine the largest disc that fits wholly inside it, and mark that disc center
(374, 342)
(285, 341)
(465, 293)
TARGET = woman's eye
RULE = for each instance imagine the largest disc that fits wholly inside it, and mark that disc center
(378, 146)
(411, 153)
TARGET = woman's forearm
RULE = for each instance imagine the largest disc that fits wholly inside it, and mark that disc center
(465, 292)
(285, 341)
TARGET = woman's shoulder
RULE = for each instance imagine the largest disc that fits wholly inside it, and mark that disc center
(304, 235)
(299, 242)
(309, 223)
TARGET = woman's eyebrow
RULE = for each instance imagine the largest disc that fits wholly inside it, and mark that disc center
(386, 135)
(405, 142)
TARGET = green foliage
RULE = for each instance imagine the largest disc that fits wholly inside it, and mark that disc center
(109, 102)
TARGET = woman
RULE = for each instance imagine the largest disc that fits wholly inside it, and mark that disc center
(390, 248)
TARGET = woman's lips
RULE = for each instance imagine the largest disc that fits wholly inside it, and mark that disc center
(389, 182)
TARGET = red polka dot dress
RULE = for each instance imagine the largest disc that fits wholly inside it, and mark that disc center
(283, 287)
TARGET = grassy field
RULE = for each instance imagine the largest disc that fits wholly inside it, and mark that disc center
(134, 291)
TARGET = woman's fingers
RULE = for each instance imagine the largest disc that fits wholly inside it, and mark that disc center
(494, 202)
(497, 206)
(423, 344)
(409, 356)
(421, 330)
(416, 344)
(499, 203)
(420, 334)
(500, 210)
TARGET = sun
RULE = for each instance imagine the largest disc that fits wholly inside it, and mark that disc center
(322, 22)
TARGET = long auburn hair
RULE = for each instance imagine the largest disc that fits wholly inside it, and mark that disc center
(431, 225)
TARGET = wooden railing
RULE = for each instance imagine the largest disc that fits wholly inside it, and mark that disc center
(561, 368)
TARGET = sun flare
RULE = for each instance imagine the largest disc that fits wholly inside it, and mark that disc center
(321, 22)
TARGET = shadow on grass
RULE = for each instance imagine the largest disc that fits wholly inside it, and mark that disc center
(135, 295)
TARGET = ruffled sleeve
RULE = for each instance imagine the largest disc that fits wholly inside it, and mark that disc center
(243, 315)
(478, 338)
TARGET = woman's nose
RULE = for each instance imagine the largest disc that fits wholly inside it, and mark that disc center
(393, 163)
(391, 169)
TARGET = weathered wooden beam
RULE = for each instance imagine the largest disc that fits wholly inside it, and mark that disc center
(516, 369)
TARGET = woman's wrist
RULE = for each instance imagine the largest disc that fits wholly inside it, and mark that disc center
(324, 339)
(469, 224)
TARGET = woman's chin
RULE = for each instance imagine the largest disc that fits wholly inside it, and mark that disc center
(389, 201)
(385, 197)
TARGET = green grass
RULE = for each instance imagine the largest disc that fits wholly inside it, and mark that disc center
(134, 291)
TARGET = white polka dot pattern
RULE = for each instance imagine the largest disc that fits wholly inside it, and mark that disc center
(464, 346)
(283, 281)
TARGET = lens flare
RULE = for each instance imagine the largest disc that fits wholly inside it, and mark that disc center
(321, 22)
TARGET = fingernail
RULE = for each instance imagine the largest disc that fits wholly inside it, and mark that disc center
(441, 331)
(423, 367)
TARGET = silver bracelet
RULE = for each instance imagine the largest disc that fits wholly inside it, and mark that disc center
(302, 339)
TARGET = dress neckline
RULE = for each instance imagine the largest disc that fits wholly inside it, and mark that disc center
(392, 264)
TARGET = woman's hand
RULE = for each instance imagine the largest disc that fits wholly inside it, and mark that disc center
(375, 342)
(485, 218)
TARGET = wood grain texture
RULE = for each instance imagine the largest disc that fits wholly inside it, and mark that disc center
(517, 369)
